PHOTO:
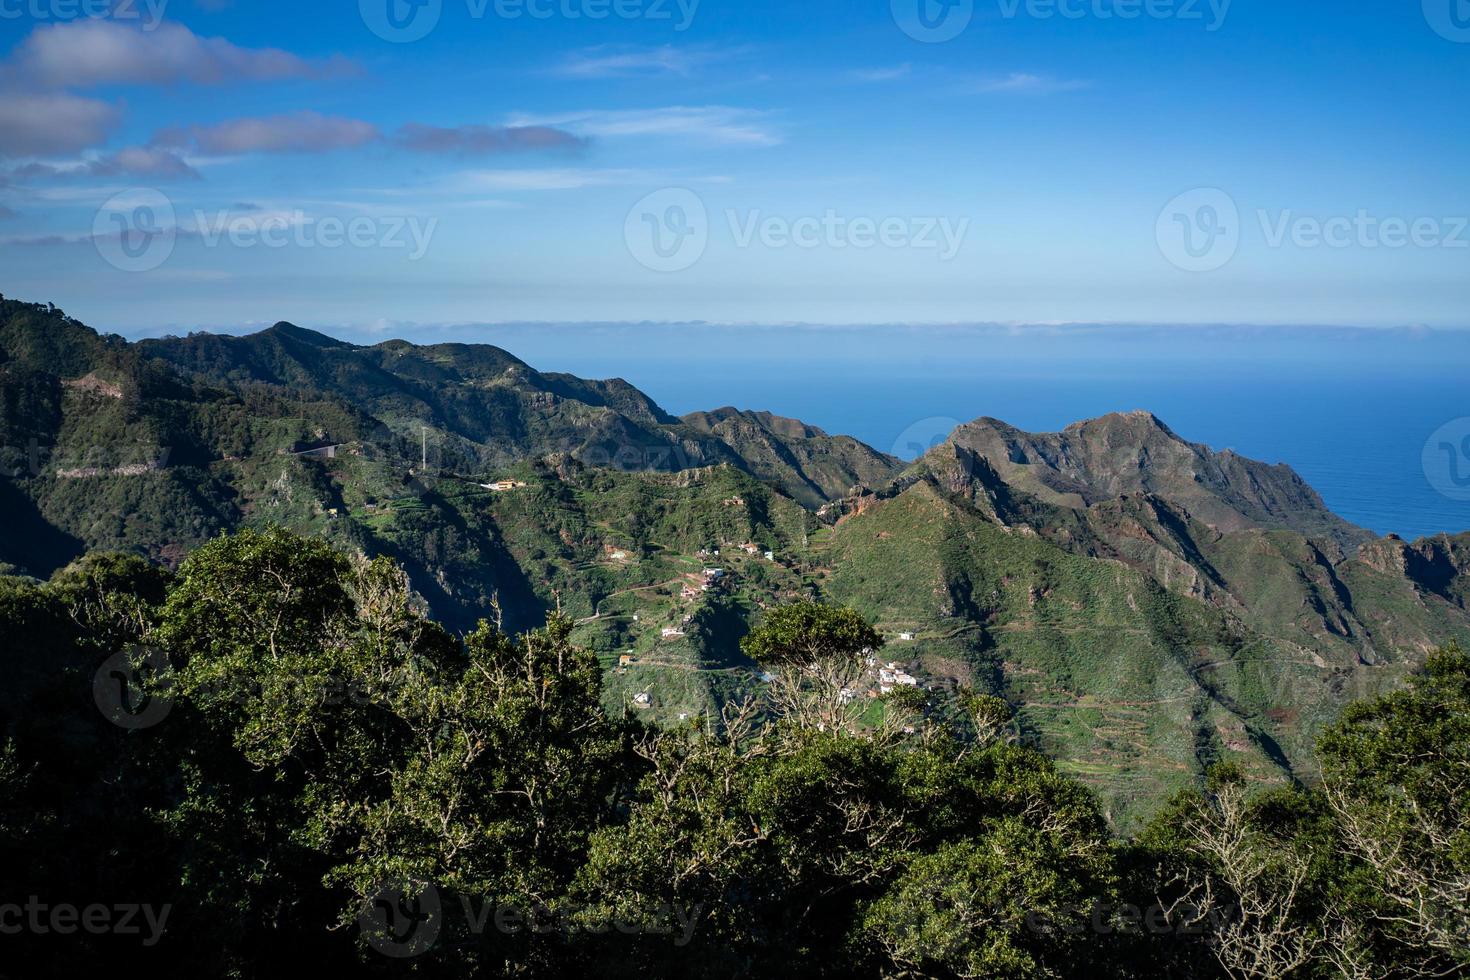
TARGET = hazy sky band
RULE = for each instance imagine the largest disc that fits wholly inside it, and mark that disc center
(1173, 163)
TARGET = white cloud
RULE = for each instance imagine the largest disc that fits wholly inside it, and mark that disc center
(621, 62)
(601, 63)
(199, 226)
(91, 52)
(312, 132)
(132, 161)
(253, 220)
(32, 124)
(711, 124)
(553, 179)
(141, 161)
(484, 140)
(301, 132)
(1027, 84)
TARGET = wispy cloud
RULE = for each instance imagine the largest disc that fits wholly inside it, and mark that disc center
(300, 132)
(199, 226)
(606, 61)
(56, 239)
(312, 132)
(1025, 83)
(550, 179)
(486, 140)
(60, 123)
(710, 124)
(93, 51)
(43, 241)
(890, 74)
(133, 161)
(142, 161)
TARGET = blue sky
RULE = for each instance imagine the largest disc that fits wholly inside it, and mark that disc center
(739, 161)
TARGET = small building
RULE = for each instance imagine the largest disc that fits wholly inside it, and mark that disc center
(672, 632)
(317, 451)
(643, 700)
(626, 660)
(891, 676)
(906, 637)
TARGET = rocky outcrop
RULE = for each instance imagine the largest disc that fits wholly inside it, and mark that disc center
(1135, 453)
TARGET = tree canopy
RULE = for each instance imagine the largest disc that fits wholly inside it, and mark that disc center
(294, 768)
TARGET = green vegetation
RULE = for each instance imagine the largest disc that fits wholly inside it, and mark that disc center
(288, 766)
(1146, 608)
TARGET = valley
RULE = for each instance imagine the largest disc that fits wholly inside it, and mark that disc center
(1148, 607)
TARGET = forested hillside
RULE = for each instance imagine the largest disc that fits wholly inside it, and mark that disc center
(1147, 607)
(270, 761)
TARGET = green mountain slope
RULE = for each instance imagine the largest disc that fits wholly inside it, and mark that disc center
(1149, 606)
(493, 409)
(1129, 670)
(775, 448)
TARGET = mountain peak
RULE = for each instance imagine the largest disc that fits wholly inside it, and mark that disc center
(1126, 453)
(1137, 420)
(290, 331)
(771, 422)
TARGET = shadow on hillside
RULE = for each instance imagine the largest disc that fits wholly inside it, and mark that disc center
(30, 543)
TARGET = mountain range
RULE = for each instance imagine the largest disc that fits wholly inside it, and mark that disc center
(1148, 605)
